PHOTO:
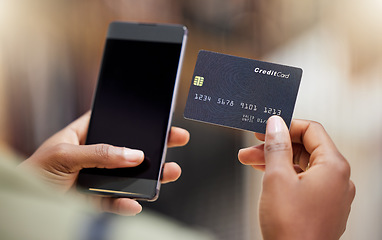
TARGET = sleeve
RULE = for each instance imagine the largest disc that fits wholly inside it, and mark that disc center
(31, 210)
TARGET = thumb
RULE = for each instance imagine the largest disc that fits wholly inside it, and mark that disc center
(97, 156)
(278, 151)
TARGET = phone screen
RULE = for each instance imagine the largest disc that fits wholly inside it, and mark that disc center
(133, 102)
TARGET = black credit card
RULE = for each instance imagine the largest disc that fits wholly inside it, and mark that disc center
(241, 93)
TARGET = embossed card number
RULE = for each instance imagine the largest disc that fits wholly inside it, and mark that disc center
(241, 93)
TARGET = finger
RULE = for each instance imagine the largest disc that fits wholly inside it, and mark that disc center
(259, 167)
(74, 133)
(178, 137)
(121, 206)
(171, 172)
(80, 127)
(95, 156)
(300, 156)
(278, 148)
(315, 139)
(252, 155)
(260, 136)
(352, 191)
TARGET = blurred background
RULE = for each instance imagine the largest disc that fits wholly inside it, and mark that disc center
(50, 52)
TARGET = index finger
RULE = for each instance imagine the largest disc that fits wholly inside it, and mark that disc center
(75, 133)
(314, 138)
(80, 127)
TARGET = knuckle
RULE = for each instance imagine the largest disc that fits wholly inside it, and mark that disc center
(103, 151)
(277, 147)
(61, 150)
(341, 166)
(315, 125)
(352, 190)
(344, 169)
(61, 160)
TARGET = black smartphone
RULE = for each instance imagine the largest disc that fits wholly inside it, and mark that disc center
(133, 105)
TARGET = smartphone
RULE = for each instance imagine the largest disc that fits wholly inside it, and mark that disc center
(133, 105)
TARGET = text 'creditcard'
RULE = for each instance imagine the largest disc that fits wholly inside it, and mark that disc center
(241, 93)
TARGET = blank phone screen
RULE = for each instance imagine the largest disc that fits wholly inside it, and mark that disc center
(133, 102)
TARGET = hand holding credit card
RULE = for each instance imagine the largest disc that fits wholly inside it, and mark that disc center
(241, 93)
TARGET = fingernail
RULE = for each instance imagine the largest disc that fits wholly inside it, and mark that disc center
(132, 154)
(275, 124)
(240, 151)
(243, 150)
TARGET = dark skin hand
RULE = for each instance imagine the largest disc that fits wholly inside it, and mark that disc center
(60, 158)
(310, 204)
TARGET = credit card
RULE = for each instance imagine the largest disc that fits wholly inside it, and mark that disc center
(241, 93)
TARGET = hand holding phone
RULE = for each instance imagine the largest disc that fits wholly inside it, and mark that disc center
(60, 158)
(133, 105)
